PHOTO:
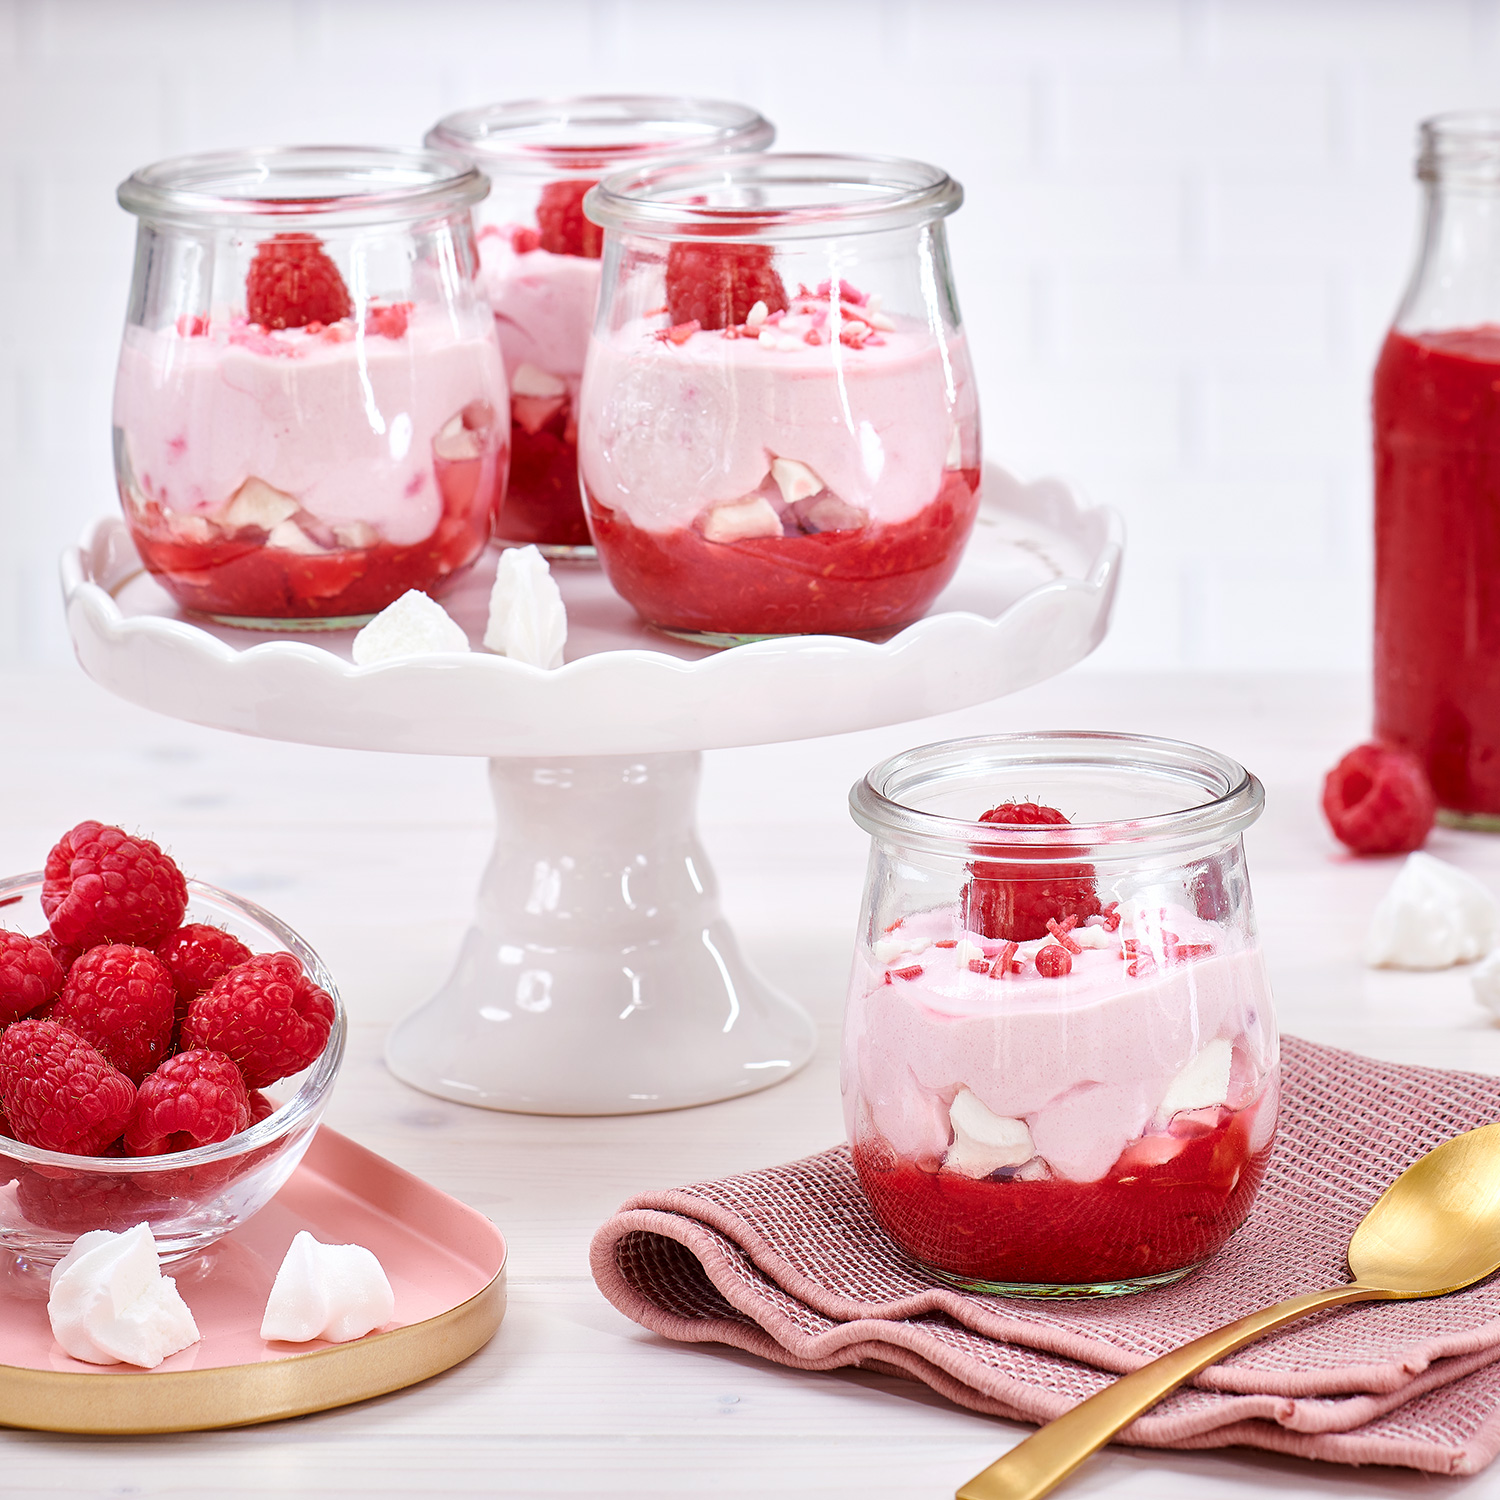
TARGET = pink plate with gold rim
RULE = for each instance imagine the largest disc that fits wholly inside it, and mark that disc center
(445, 1261)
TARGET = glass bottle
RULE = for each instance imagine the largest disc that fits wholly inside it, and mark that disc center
(539, 259)
(1437, 481)
(778, 428)
(1060, 1056)
(309, 410)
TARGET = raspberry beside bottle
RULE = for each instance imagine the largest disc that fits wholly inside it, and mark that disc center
(1378, 800)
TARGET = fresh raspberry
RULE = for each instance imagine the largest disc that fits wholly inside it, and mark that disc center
(1052, 962)
(58, 1092)
(1015, 901)
(563, 228)
(266, 1014)
(261, 1108)
(29, 975)
(1378, 800)
(101, 885)
(292, 282)
(121, 1000)
(718, 284)
(193, 1099)
(197, 956)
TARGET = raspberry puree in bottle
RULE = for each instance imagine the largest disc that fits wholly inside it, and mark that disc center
(779, 432)
(1437, 551)
(539, 266)
(1437, 481)
(1059, 1060)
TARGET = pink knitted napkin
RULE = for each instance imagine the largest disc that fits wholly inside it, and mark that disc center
(788, 1264)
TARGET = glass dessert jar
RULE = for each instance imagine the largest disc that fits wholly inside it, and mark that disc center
(1437, 481)
(778, 429)
(539, 264)
(1060, 1058)
(309, 408)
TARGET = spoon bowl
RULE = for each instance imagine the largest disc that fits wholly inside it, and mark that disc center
(1436, 1228)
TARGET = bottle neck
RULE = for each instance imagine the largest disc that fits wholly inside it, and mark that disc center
(1456, 283)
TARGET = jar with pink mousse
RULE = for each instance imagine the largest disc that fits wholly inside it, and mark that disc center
(1060, 1054)
(539, 260)
(778, 427)
(310, 407)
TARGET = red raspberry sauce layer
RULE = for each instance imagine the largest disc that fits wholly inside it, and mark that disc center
(542, 501)
(834, 582)
(1138, 1220)
(237, 576)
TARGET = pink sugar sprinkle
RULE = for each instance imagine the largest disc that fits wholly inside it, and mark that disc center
(1060, 931)
(911, 971)
(1002, 965)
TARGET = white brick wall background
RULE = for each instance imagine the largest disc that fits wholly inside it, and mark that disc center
(1188, 222)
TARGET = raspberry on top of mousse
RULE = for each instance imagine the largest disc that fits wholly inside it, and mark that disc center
(1015, 902)
(292, 282)
(562, 227)
(718, 285)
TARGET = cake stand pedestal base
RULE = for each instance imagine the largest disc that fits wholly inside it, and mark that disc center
(599, 976)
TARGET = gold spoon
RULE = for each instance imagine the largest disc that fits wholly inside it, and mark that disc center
(1435, 1229)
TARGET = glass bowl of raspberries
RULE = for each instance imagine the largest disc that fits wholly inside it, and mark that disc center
(166, 1050)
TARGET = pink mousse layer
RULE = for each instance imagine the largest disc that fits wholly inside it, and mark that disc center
(1084, 1059)
(344, 423)
(667, 430)
(544, 307)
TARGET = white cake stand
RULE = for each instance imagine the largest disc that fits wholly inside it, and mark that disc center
(599, 976)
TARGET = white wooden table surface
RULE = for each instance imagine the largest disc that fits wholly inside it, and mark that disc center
(375, 859)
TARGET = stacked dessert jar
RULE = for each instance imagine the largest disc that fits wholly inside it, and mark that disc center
(309, 413)
(1060, 1058)
(778, 429)
(539, 260)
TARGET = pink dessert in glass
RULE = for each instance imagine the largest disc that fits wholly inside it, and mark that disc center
(1062, 1080)
(292, 448)
(539, 265)
(766, 449)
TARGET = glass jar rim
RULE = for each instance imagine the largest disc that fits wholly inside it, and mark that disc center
(346, 184)
(284, 1121)
(1235, 797)
(588, 134)
(826, 194)
(1458, 145)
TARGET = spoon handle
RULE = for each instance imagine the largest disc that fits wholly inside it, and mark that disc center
(1051, 1453)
